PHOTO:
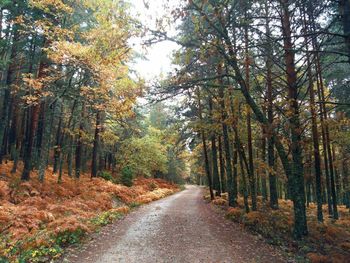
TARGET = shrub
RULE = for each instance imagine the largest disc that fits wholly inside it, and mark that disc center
(219, 201)
(68, 237)
(109, 216)
(253, 218)
(317, 258)
(106, 175)
(41, 254)
(152, 186)
(134, 204)
(126, 177)
(234, 214)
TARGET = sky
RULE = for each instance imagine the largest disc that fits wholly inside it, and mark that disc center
(157, 58)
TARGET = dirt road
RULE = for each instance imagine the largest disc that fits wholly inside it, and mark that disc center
(180, 228)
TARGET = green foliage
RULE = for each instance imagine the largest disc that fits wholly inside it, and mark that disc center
(157, 117)
(53, 247)
(182, 187)
(69, 237)
(106, 175)
(145, 156)
(127, 176)
(153, 145)
(134, 204)
(106, 218)
(41, 254)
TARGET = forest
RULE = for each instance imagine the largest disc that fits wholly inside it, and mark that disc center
(256, 109)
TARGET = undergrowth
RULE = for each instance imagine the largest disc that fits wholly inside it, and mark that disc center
(38, 220)
(326, 243)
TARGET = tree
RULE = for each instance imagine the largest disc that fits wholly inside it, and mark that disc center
(276, 75)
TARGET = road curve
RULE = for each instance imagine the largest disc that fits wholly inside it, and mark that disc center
(179, 228)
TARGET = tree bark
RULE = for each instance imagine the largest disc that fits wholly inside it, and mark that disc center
(222, 167)
(96, 147)
(270, 127)
(204, 144)
(232, 193)
(78, 149)
(315, 136)
(263, 176)
(244, 182)
(214, 154)
(296, 182)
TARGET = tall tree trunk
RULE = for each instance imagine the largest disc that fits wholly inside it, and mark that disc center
(325, 157)
(323, 113)
(222, 168)
(346, 180)
(79, 144)
(251, 174)
(29, 142)
(216, 179)
(232, 193)
(58, 142)
(263, 176)
(214, 155)
(19, 138)
(7, 99)
(13, 133)
(316, 150)
(336, 174)
(326, 139)
(46, 140)
(39, 135)
(297, 180)
(235, 150)
(270, 128)
(205, 152)
(96, 147)
(244, 182)
(34, 120)
(315, 136)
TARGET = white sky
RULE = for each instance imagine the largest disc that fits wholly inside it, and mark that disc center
(157, 59)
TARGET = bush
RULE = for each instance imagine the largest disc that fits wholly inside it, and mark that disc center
(68, 237)
(235, 214)
(106, 218)
(41, 254)
(126, 177)
(106, 175)
(219, 201)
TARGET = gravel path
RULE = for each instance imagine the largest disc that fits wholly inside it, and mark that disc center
(180, 228)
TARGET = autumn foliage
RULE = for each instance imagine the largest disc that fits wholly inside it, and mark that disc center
(327, 242)
(34, 214)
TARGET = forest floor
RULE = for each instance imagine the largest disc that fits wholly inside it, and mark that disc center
(326, 243)
(179, 228)
(38, 221)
